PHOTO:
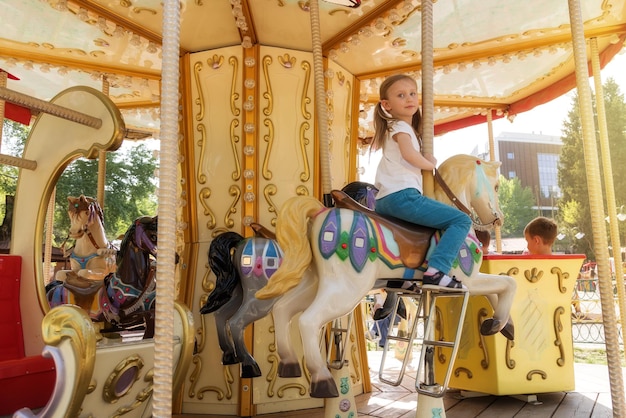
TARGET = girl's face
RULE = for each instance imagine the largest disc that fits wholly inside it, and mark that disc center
(402, 100)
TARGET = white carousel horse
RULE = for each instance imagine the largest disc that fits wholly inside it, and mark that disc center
(341, 254)
(92, 258)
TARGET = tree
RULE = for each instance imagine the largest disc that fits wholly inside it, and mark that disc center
(130, 187)
(13, 137)
(516, 203)
(572, 172)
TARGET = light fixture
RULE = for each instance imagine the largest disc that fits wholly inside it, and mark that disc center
(579, 235)
(560, 236)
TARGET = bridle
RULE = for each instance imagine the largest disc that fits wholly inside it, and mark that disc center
(476, 223)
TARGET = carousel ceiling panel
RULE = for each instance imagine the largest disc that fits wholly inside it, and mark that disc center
(488, 54)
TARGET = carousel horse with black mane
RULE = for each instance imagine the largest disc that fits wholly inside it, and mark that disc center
(126, 297)
(365, 253)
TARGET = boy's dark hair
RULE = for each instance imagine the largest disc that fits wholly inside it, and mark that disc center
(543, 227)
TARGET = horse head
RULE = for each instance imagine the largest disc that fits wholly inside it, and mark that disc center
(474, 183)
(82, 211)
(138, 245)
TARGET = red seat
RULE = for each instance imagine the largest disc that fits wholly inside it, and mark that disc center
(24, 381)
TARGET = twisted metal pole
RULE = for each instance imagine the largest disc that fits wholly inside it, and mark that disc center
(608, 180)
(596, 208)
(320, 100)
(428, 99)
(164, 333)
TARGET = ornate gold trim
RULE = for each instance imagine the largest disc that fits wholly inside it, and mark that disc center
(234, 191)
(269, 139)
(304, 141)
(205, 194)
(234, 96)
(530, 374)
(202, 177)
(270, 190)
(459, 370)
(197, 67)
(267, 60)
(561, 275)
(110, 393)
(558, 330)
(70, 321)
(510, 363)
(234, 139)
(306, 66)
(533, 275)
(482, 314)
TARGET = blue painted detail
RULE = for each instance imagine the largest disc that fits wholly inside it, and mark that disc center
(247, 257)
(359, 242)
(329, 233)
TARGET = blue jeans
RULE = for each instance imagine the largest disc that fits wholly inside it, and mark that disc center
(410, 205)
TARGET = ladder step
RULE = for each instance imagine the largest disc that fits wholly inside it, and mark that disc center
(436, 343)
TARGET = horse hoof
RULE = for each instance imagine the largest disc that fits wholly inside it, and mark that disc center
(324, 389)
(289, 370)
(509, 330)
(230, 358)
(250, 370)
(490, 326)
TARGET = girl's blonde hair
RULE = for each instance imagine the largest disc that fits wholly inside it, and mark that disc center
(382, 118)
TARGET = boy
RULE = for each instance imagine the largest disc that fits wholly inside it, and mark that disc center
(540, 234)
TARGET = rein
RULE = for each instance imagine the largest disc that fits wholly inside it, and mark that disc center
(446, 189)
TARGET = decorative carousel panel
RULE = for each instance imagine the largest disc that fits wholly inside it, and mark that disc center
(286, 129)
(209, 385)
(340, 85)
(216, 92)
(540, 359)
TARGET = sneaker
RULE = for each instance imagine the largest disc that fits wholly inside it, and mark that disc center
(441, 281)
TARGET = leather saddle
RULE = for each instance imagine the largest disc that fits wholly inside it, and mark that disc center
(81, 286)
(413, 240)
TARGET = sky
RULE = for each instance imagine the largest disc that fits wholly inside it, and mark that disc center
(546, 119)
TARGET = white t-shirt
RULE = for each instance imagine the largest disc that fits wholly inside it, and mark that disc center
(394, 173)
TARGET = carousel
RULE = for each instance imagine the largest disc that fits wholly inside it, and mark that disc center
(262, 108)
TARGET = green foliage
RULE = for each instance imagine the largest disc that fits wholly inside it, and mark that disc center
(130, 186)
(574, 210)
(129, 189)
(13, 138)
(516, 203)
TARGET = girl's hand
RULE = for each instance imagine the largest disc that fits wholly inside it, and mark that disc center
(431, 158)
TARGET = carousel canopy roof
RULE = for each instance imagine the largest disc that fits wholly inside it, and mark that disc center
(488, 54)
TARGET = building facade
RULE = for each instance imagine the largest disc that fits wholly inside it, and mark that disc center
(533, 159)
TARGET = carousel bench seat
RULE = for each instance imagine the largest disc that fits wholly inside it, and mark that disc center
(24, 381)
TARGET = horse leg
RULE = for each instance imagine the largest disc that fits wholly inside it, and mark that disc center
(229, 353)
(337, 295)
(285, 309)
(500, 290)
(251, 309)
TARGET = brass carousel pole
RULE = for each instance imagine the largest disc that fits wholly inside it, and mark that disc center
(102, 155)
(492, 157)
(596, 207)
(608, 178)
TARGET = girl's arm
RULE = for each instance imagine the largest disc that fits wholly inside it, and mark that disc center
(411, 155)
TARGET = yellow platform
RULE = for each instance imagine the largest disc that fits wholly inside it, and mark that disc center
(541, 357)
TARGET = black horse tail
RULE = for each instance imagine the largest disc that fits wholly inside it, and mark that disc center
(227, 275)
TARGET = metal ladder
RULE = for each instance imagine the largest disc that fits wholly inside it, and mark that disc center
(426, 315)
(338, 340)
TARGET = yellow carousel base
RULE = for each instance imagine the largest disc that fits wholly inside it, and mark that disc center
(343, 406)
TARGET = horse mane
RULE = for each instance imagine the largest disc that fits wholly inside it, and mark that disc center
(85, 203)
(126, 240)
(456, 170)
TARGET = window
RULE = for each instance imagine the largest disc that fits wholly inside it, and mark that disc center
(547, 166)
(510, 155)
(512, 175)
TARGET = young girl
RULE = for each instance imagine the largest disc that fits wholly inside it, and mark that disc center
(397, 127)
